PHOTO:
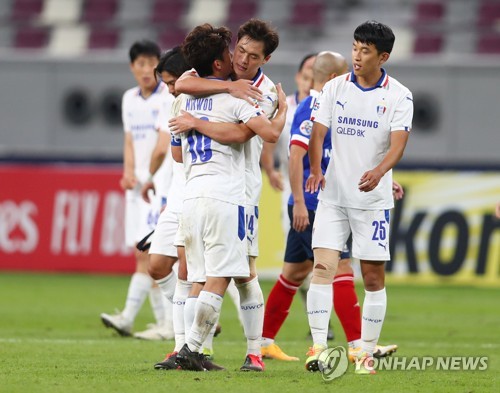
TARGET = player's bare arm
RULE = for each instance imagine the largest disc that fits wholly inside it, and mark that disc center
(371, 178)
(316, 178)
(157, 158)
(190, 83)
(268, 130)
(176, 153)
(221, 132)
(128, 180)
(296, 170)
(267, 163)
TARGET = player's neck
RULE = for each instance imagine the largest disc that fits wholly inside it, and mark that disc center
(368, 81)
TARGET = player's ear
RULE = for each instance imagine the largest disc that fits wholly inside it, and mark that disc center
(384, 56)
(266, 59)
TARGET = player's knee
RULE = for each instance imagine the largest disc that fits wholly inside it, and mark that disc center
(323, 273)
(159, 266)
(373, 281)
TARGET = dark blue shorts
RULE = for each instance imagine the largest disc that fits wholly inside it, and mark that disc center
(298, 244)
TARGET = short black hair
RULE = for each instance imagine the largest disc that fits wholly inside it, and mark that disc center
(260, 31)
(376, 33)
(172, 62)
(306, 57)
(205, 44)
(144, 48)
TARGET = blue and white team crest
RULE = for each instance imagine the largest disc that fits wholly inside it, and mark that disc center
(155, 112)
(306, 127)
(316, 105)
(381, 108)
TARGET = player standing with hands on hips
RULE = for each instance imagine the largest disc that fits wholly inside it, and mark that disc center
(370, 116)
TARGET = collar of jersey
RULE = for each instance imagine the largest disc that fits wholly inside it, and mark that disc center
(257, 79)
(139, 93)
(382, 82)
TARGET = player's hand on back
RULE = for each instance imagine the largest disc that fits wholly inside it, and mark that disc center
(300, 217)
(128, 181)
(370, 180)
(183, 123)
(244, 89)
(314, 182)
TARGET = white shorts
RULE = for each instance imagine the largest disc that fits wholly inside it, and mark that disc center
(252, 225)
(214, 239)
(179, 235)
(370, 231)
(140, 216)
(163, 239)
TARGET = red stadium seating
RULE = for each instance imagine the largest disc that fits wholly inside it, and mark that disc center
(168, 11)
(241, 10)
(488, 43)
(428, 43)
(25, 10)
(170, 37)
(489, 14)
(103, 38)
(308, 13)
(31, 38)
(429, 12)
(99, 10)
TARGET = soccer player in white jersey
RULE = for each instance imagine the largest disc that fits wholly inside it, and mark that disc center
(213, 218)
(162, 252)
(140, 108)
(370, 115)
(256, 42)
(279, 151)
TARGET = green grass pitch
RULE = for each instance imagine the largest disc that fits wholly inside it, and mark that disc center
(52, 340)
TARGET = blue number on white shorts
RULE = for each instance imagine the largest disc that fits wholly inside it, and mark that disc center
(199, 145)
(380, 232)
(250, 223)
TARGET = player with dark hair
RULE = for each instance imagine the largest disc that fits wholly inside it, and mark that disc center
(256, 42)
(370, 116)
(140, 108)
(213, 218)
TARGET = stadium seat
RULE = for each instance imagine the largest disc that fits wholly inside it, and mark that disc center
(31, 38)
(170, 37)
(308, 13)
(429, 12)
(240, 11)
(428, 43)
(103, 38)
(99, 10)
(25, 10)
(168, 11)
(489, 15)
(488, 43)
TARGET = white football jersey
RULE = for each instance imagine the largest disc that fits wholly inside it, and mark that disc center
(361, 122)
(253, 147)
(177, 183)
(215, 170)
(139, 117)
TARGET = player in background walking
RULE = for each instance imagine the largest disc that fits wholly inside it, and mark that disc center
(140, 107)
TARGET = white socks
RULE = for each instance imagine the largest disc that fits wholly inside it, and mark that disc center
(372, 319)
(207, 313)
(159, 305)
(189, 310)
(319, 308)
(138, 291)
(181, 293)
(252, 313)
(167, 286)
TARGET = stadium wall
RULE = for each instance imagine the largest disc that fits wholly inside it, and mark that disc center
(71, 108)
